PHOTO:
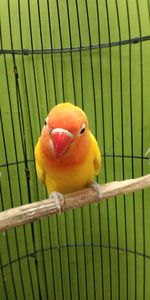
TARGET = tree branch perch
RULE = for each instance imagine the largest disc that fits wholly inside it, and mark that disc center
(31, 212)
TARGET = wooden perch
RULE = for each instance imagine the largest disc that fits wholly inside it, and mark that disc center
(31, 212)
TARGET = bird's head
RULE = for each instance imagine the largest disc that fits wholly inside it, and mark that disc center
(65, 135)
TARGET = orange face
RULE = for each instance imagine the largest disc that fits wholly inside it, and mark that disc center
(65, 136)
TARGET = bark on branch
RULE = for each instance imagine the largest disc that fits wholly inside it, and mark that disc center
(31, 212)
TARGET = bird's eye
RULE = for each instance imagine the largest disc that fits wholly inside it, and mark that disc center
(46, 121)
(82, 129)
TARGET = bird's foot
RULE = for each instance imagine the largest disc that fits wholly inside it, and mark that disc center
(94, 185)
(58, 198)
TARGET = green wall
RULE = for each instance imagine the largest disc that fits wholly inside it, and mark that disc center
(100, 251)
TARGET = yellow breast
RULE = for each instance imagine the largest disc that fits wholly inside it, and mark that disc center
(71, 178)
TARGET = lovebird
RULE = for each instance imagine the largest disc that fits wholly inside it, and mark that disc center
(67, 155)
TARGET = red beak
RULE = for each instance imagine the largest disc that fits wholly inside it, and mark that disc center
(62, 139)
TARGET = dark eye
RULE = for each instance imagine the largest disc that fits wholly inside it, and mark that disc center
(82, 129)
(46, 121)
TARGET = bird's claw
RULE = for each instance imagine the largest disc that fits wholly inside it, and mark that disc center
(94, 185)
(58, 197)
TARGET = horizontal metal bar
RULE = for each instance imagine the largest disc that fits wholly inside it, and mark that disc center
(134, 40)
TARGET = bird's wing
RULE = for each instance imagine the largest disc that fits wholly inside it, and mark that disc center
(39, 169)
(40, 172)
(97, 154)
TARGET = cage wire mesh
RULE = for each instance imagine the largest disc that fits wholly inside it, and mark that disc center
(96, 54)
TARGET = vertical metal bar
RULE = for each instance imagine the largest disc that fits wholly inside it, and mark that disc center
(123, 162)
(63, 92)
(132, 150)
(82, 97)
(103, 134)
(51, 46)
(55, 92)
(74, 92)
(42, 56)
(33, 64)
(148, 4)
(38, 107)
(142, 148)
(11, 198)
(112, 132)
(60, 259)
(1, 268)
(61, 48)
(2, 205)
(15, 147)
(23, 141)
(31, 131)
(80, 46)
(71, 55)
(53, 78)
(46, 94)
(95, 119)
(22, 134)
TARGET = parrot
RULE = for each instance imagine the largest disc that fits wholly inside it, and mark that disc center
(67, 155)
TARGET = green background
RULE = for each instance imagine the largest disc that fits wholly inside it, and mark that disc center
(100, 251)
